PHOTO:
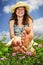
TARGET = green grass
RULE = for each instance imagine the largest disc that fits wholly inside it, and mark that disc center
(6, 57)
(38, 40)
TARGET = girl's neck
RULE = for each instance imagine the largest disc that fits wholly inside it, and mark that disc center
(20, 19)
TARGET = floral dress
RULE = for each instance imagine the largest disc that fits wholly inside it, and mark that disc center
(17, 30)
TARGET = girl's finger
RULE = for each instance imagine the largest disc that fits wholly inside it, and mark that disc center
(22, 51)
(19, 43)
(24, 48)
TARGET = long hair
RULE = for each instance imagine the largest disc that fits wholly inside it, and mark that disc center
(26, 17)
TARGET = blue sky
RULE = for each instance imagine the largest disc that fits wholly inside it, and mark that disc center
(36, 11)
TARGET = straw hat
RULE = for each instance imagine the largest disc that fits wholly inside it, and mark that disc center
(19, 4)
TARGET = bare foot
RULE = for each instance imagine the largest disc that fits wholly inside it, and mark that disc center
(25, 37)
(18, 46)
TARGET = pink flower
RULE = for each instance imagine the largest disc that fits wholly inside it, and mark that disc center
(13, 54)
(1, 58)
(40, 45)
(29, 53)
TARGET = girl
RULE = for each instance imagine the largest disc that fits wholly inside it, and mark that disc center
(21, 28)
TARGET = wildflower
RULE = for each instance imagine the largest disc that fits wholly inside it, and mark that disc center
(39, 45)
(29, 53)
(13, 54)
(1, 58)
(4, 57)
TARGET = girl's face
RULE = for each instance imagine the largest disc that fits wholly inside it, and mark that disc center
(20, 11)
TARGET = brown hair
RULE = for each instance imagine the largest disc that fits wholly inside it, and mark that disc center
(26, 17)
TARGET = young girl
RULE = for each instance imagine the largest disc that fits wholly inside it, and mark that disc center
(21, 28)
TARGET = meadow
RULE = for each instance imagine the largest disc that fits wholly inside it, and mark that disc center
(8, 57)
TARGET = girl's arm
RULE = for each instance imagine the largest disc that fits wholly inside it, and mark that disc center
(11, 28)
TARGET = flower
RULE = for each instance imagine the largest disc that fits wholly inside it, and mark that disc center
(1, 58)
(29, 53)
(39, 45)
(13, 54)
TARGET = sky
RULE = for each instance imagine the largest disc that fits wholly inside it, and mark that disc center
(36, 11)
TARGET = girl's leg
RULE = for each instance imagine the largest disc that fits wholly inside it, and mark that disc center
(27, 37)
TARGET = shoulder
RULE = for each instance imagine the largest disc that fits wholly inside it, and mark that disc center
(11, 22)
(30, 20)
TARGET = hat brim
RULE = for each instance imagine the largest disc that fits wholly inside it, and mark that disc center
(14, 7)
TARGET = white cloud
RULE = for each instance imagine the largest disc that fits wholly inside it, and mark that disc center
(38, 25)
(6, 35)
(34, 4)
(6, 9)
(0, 37)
